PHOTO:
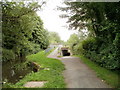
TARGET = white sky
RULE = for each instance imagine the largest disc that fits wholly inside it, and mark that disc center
(52, 21)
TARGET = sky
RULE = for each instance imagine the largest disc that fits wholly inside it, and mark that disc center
(52, 21)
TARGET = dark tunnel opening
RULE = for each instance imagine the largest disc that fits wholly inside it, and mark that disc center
(65, 53)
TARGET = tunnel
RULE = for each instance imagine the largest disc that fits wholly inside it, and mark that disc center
(65, 53)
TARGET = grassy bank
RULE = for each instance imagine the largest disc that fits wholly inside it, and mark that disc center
(52, 72)
(110, 77)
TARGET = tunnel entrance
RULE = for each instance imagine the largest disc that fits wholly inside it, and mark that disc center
(65, 51)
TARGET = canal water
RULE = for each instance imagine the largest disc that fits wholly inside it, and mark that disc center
(13, 75)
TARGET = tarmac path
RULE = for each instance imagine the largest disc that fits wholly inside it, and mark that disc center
(77, 74)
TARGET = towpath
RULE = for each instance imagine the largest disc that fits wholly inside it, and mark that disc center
(77, 74)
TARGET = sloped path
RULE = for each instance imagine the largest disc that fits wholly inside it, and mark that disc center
(77, 74)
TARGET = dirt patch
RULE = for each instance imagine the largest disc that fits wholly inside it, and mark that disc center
(33, 84)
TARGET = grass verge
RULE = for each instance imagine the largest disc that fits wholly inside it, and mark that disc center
(52, 72)
(110, 77)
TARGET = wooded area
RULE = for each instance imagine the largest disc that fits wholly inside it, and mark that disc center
(101, 41)
(26, 44)
(23, 34)
(23, 31)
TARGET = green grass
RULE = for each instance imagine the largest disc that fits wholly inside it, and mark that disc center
(59, 56)
(110, 77)
(52, 74)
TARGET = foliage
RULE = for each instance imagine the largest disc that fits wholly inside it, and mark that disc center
(110, 77)
(73, 41)
(39, 34)
(54, 38)
(78, 49)
(89, 44)
(22, 29)
(51, 72)
(102, 22)
(7, 55)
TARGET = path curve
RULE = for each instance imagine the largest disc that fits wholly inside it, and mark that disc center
(77, 74)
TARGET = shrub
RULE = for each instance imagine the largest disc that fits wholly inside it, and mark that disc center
(108, 57)
(7, 55)
(105, 54)
(35, 48)
(90, 44)
(78, 49)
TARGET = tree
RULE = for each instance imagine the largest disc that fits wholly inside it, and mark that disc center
(39, 34)
(54, 38)
(73, 40)
(22, 28)
(102, 21)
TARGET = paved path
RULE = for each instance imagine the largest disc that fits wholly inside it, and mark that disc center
(53, 54)
(77, 74)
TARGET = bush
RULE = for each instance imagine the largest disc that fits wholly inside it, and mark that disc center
(90, 44)
(104, 54)
(78, 49)
(35, 48)
(7, 55)
(108, 57)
